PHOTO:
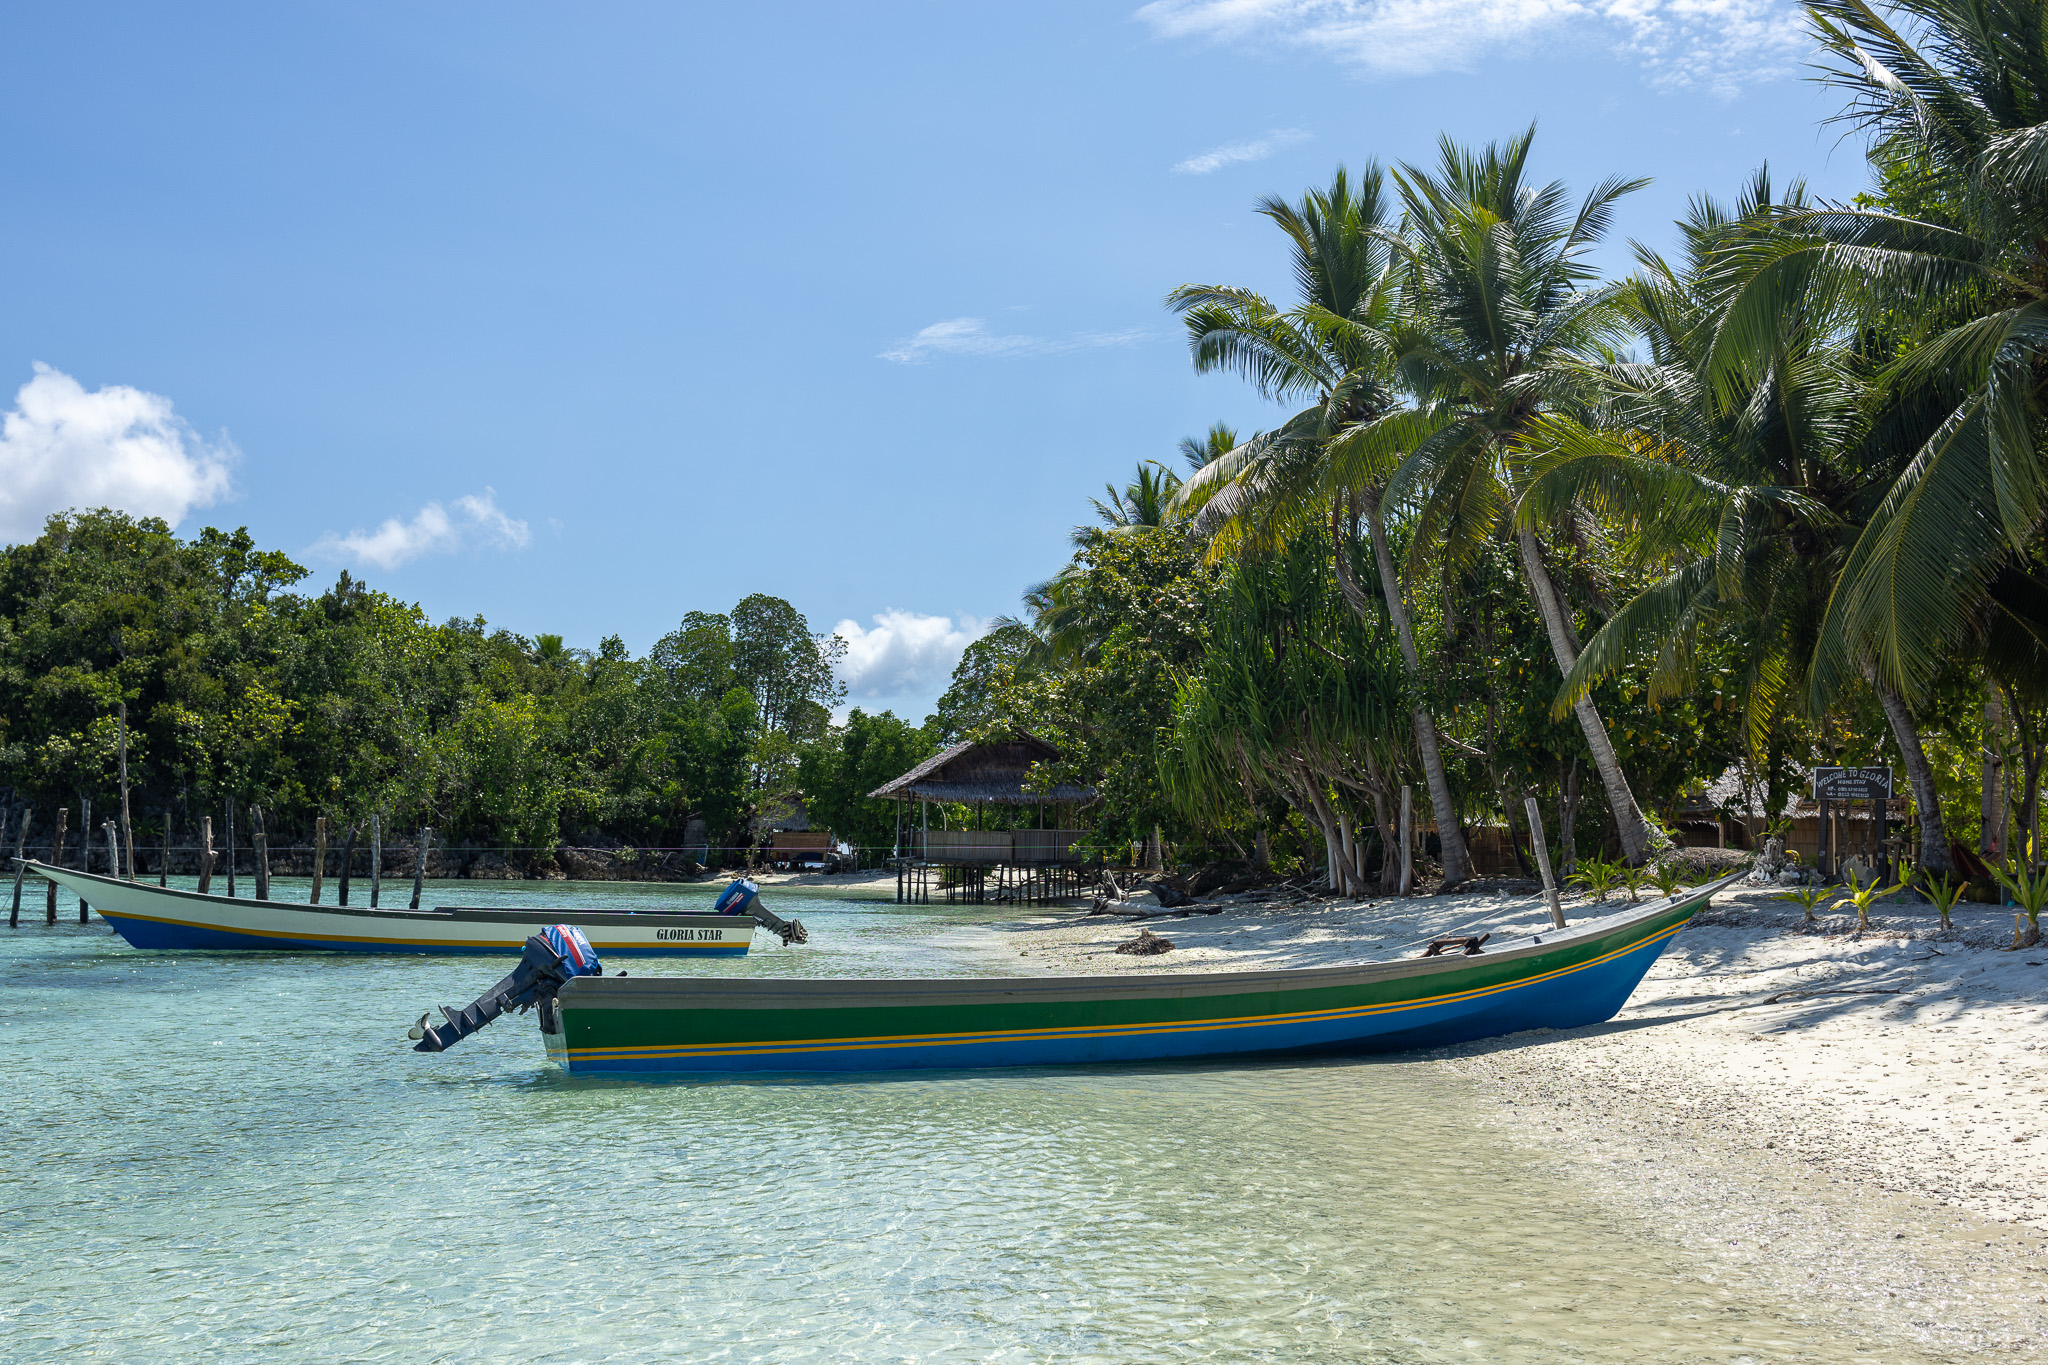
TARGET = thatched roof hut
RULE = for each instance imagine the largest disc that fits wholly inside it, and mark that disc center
(993, 772)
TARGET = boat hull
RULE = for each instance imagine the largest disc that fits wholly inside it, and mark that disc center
(164, 918)
(670, 1025)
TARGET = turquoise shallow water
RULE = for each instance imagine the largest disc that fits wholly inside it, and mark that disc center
(239, 1157)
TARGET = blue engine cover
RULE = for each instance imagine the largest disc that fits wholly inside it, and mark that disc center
(578, 957)
(737, 899)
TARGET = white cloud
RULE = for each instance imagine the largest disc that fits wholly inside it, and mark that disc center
(970, 336)
(907, 654)
(61, 447)
(1232, 153)
(1719, 45)
(476, 521)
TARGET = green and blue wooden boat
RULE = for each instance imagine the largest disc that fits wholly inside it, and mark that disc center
(654, 1025)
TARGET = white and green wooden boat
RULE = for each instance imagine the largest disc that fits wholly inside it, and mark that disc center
(163, 917)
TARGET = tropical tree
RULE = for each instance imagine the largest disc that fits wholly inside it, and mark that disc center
(1950, 266)
(1145, 501)
(788, 668)
(1323, 470)
(1297, 698)
(1505, 322)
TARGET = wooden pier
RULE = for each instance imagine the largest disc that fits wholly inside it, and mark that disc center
(957, 883)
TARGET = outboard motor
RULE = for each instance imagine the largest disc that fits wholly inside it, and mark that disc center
(742, 897)
(552, 956)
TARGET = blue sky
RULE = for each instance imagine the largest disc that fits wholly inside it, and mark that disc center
(580, 318)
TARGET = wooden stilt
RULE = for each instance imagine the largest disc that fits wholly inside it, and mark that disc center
(1543, 863)
(163, 870)
(127, 829)
(376, 858)
(261, 839)
(231, 845)
(56, 860)
(84, 850)
(113, 833)
(20, 867)
(348, 848)
(206, 855)
(319, 855)
(419, 866)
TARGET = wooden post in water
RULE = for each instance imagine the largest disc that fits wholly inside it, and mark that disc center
(112, 828)
(1543, 864)
(262, 846)
(84, 848)
(163, 869)
(376, 858)
(231, 845)
(319, 855)
(127, 829)
(20, 867)
(348, 849)
(205, 855)
(1407, 841)
(419, 867)
(56, 860)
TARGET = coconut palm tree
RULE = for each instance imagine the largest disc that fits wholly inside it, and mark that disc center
(1506, 322)
(1062, 619)
(1146, 500)
(1323, 470)
(1750, 491)
(1952, 272)
(1197, 451)
(1743, 490)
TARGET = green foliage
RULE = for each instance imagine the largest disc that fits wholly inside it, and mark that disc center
(1296, 700)
(837, 775)
(1117, 629)
(351, 702)
(2028, 887)
(1861, 896)
(1805, 897)
(988, 670)
(1599, 877)
(787, 668)
(1943, 892)
(1635, 878)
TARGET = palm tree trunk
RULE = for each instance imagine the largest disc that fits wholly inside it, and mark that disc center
(1636, 843)
(1934, 858)
(1456, 856)
(2028, 832)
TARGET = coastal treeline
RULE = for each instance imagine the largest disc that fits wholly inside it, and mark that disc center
(350, 703)
(1772, 499)
(1634, 545)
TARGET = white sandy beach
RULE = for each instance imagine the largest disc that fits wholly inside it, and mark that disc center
(1908, 1058)
(1883, 1150)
